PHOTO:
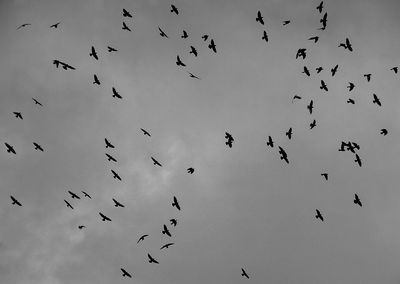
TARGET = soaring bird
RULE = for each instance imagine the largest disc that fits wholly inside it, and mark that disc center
(320, 7)
(142, 238)
(314, 38)
(310, 106)
(93, 53)
(17, 114)
(193, 50)
(23, 25)
(55, 25)
(190, 170)
(260, 18)
(205, 37)
(96, 80)
(306, 71)
(37, 102)
(145, 132)
(323, 86)
(86, 195)
(289, 133)
(395, 69)
(368, 77)
(270, 142)
(176, 204)
(111, 49)
(265, 36)
(350, 101)
(125, 273)
(151, 259)
(193, 76)
(384, 131)
(125, 27)
(325, 175)
(244, 274)
(319, 69)
(319, 216)
(334, 70)
(184, 34)
(301, 52)
(126, 13)
(116, 94)
(173, 222)
(286, 22)
(296, 97)
(313, 124)
(166, 245)
(350, 86)
(357, 200)
(212, 46)
(179, 62)
(174, 9)
(376, 100)
(15, 201)
(162, 33)
(38, 147)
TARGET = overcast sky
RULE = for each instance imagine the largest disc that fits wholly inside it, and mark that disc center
(243, 206)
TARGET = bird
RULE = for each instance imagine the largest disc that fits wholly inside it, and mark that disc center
(176, 204)
(145, 132)
(270, 142)
(10, 149)
(323, 86)
(15, 201)
(151, 259)
(55, 25)
(36, 102)
(191, 75)
(125, 273)
(111, 49)
(306, 71)
(314, 38)
(229, 138)
(358, 160)
(68, 204)
(115, 175)
(73, 195)
(117, 204)
(38, 147)
(155, 162)
(376, 100)
(325, 175)
(384, 131)
(179, 62)
(301, 52)
(96, 80)
(165, 231)
(23, 25)
(334, 70)
(319, 216)
(368, 77)
(184, 35)
(319, 69)
(286, 22)
(350, 101)
(296, 97)
(283, 154)
(320, 6)
(162, 33)
(17, 114)
(313, 124)
(289, 133)
(205, 37)
(357, 200)
(125, 13)
(265, 36)
(108, 144)
(125, 27)
(173, 222)
(244, 274)
(116, 94)
(395, 69)
(212, 46)
(350, 86)
(323, 21)
(80, 227)
(104, 217)
(193, 50)
(86, 195)
(142, 238)
(190, 170)
(166, 245)
(260, 18)
(310, 106)
(174, 9)
(93, 53)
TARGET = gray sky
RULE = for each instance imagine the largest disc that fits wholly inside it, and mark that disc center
(243, 206)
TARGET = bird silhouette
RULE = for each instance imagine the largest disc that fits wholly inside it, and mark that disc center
(23, 25)
(306, 71)
(184, 34)
(350, 101)
(319, 69)
(286, 22)
(116, 94)
(289, 133)
(179, 62)
(205, 37)
(314, 38)
(162, 33)
(301, 52)
(395, 69)
(125, 13)
(334, 70)
(125, 27)
(244, 274)
(319, 216)
(310, 106)
(313, 124)
(260, 18)
(350, 86)
(376, 100)
(320, 7)
(37, 102)
(18, 115)
(229, 138)
(265, 36)
(80, 227)
(86, 195)
(296, 97)
(325, 175)
(174, 9)
(368, 77)
(142, 238)
(270, 142)
(55, 25)
(166, 245)
(173, 222)
(193, 50)
(357, 200)
(190, 170)
(193, 76)
(212, 46)
(384, 131)
(111, 49)
(96, 80)
(323, 86)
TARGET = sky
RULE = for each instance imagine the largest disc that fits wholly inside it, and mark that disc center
(243, 207)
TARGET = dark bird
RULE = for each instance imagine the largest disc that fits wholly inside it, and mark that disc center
(108, 144)
(325, 175)
(334, 70)
(165, 231)
(80, 227)
(68, 204)
(162, 33)
(260, 18)
(270, 142)
(313, 124)
(323, 86)
(125, 13)
(368, 76)
(320, 6)
(65, 66)
(305, 71)
(23, 25)
(296, 97)
(342, 149)
(151, 259)
(205, 37)
(176, 204)
(358, 160)
(357, 200)
(314, 38)
(319, 216)
(301, 52)
(212, 46)
(190, 170)
(289, 133)
(15, 201)
(117, 204)
(145, 132)
(184, 35)
(319, 69)
(173, 222)
(111, 49)
(230, 139)
(384, 131)
(96, 80)
(179, 62)
(116, 94)
(55, 25)
(324, 21)
(395, 69)
(355, 145)
(310, 106)
(286, 22)
(346, 45)
(350, 86)
(125, 27)
(125, 273)
(193, 50)
(142, 238)
(193, 76)
(86, 195)
(104, 217)
(73, 195)
(244, 274)
(174, 9)
(93, 53)
(265, 36)
(17, 114)
(376, 100)
(115, 175)
(10, 149)
(155, 162)
(350, 101)
(38, 147)
(37, 102)
(283, 154)
(166, 245)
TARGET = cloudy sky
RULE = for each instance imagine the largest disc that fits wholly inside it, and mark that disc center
(243, 206)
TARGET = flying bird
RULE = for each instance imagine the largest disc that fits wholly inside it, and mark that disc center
(162, 33)
(10, 149)
(395, 69)
(325, 175)
(301, 52)
(68, 204)
(165, 231)
(320, 6)
(176, 204)
(350, 101)
(265, 36)
(115, 175)
(151, 259)
(108, 144)
(86, 195)
(310, 106)
(229, 138)
(80, 227)
(93, 53)
(212, 46)
(260, 18)
(270, 142)
(313, 124)
(314, 38)
(296, 97)
(184, 35)
(306, 71)
(142, 238)
(17, 114)
(323, 86)
(125, 13)
(324, 21)
(15, 201)
(193, 50)
(289, 133)
(384, 131)
(111, 49)
(36, 102)
(125, 273)
(116, 94)
(334, 70)
(368, 77)
(117, 204)
(23, 25)
(358, 160)
(166, 245)
(244, 274)
(319, 69)
(38, 147)
(73, 195)
(350, 86)
(55, 25)
(319, 216)
(190, 170)
(286, 22)
(125, 27)
(357, 200)
(155, 162)
(173, 222)
(205, 37)
(104, 217)
(145, 132)
(179, 62)
(376, 100)
(191, 75)
(174, 9)
(96, 80)
(283, 154)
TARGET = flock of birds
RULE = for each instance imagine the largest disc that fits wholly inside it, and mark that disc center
(348, 146)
